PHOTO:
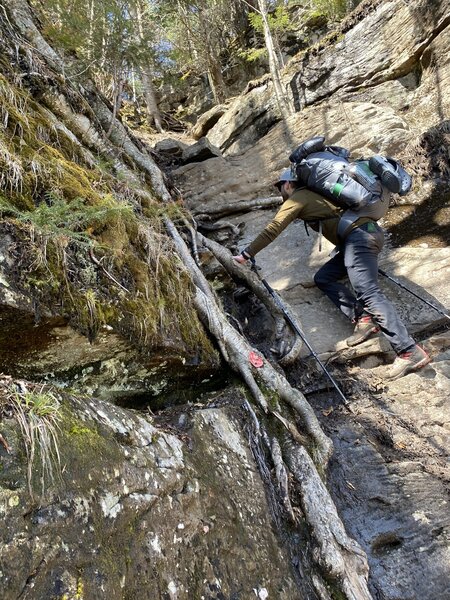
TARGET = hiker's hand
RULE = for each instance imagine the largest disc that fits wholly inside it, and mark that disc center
(240, 259)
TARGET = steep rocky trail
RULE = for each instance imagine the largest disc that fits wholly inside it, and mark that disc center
(188, 502)
(389, 474)
(390, 471)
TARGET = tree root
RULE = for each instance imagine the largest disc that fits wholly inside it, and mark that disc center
(203, 211)
(107, 273)
(282, 478)
(237, 350)
(218, 226)
(342, 558)
(376, 345)
(84, 133)
(253, 282)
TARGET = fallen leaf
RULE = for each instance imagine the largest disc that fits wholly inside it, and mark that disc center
(328, 411)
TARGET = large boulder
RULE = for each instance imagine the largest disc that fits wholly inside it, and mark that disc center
(135, 511)
(249, 117)
(170, 148)
(199, 152)
(361, 126)
(206, 121)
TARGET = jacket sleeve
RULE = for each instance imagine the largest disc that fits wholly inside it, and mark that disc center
(291, 209)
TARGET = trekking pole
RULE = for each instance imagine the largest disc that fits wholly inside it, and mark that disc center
(413, 293)
(297, 330)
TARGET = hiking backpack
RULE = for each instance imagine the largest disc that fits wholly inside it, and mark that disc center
(360, 187)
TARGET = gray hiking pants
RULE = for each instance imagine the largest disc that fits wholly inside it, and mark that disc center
(358, 258)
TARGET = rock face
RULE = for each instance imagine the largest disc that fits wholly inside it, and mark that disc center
(207, 121)
(109, 367)
(134, 510)
(396, 496)
(151, 519)
(405, 67)
(80, 240)
(39, 346)
(247, 119)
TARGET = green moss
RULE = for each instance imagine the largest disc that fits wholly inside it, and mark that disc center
(80, 589)
(80, 430)
(63, 209)
(81, 445)
(81, 434)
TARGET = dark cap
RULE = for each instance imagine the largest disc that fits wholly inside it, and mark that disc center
(286, 175)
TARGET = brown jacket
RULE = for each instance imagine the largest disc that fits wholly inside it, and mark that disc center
(303, 204)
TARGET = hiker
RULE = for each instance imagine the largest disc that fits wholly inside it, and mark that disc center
(355, 256)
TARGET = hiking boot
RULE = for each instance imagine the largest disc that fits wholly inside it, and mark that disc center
(363, 330)
(407, 362)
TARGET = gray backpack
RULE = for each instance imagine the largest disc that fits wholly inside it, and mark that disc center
(360, 187)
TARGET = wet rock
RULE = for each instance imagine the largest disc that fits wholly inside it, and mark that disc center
(108, 367)
(389, 480)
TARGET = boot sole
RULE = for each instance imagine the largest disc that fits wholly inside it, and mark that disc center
(363, 338)
(412, 368)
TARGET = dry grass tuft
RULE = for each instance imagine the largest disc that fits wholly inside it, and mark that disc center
(37, 412)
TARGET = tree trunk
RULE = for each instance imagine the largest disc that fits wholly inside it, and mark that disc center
(91, 29)
(21, 16)
(153, 113)
(215, 76)
(274, 64)
(216, 83)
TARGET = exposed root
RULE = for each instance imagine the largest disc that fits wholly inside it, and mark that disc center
(342, 558)
(237, 352)
(282, 478)
(5, 444)
(375, 345)
(217, 226)
(253, 282)
(203, 211)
